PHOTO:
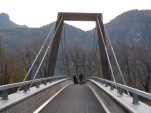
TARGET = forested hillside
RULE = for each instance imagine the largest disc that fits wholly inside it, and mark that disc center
(130, 34)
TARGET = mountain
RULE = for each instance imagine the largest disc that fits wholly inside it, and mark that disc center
(17, 37)
(130, 34)
(132, 27)
(6, 23)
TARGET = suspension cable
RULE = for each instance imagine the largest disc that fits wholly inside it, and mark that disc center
(93, 42)
(111, 69)
(117, 63)
(112, 72)
(96, 54)
(62, 53)
(46, 52)
(94, 46)
(38, 54)
(63, 48)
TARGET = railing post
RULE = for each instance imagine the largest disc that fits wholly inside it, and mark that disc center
(135, 99)
(111, 87)
(102, 82)
(44, 82)
(106, 84)
(37, 85)
(4, 95)
(26, 88)
(120, 91)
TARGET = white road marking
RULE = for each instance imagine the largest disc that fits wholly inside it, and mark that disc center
(99, 99)
(50, 99)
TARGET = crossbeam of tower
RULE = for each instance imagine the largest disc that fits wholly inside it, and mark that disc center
(62, 16)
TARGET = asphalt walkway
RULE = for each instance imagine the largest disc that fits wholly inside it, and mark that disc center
(74, 99)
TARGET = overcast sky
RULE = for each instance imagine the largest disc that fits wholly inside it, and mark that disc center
(35, 13)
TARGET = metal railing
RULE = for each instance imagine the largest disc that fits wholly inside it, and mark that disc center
(136, 93)
(5, 89)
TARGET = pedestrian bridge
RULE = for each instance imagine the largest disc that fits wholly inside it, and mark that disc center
(49, 93)
(61, 95)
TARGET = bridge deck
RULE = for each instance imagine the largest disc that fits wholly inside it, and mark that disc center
(74, 99)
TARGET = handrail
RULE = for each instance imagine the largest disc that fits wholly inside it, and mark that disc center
(19, 84)
(5, 88)
(135, 91)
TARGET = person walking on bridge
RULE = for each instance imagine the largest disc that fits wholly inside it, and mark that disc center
(81, 78)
